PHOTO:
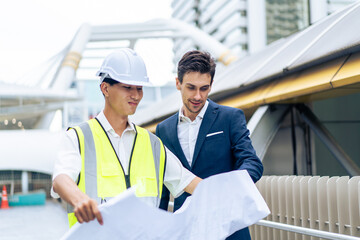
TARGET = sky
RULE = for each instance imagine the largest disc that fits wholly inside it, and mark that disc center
(31, 31)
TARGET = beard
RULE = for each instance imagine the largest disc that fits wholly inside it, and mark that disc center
(193, 110)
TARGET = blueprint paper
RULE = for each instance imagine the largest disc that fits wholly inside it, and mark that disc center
(220, 205)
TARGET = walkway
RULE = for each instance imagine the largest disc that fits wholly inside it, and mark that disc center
(33, 222)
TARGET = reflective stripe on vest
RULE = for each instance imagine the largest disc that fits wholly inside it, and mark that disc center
(102, 175)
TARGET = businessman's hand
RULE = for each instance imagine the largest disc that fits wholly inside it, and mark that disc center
(192, 185)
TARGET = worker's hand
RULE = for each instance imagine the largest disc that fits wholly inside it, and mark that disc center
(87, 210)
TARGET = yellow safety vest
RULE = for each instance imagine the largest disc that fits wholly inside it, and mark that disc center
(102, 175)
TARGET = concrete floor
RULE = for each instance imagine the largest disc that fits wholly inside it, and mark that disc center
(33, 222)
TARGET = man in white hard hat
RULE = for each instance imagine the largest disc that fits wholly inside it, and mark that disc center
(104, 156)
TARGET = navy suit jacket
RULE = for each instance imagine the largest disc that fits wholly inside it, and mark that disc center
(228, 148)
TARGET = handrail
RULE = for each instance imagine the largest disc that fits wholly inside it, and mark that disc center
(306, 231)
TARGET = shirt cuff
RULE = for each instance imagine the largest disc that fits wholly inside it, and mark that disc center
(54, 194)
(180, 190)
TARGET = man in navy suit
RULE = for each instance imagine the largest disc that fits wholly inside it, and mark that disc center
(207, 138)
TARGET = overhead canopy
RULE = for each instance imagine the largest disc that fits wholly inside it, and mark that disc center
(330, 38)
(30, 150)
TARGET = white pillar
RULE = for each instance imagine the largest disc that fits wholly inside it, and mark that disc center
(256, 18)
(318, 10)
(65, 115)
(72, 59)
(68, 69)
(24, 182)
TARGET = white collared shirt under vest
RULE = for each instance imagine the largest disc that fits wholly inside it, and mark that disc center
(68, 159)
(188, 132)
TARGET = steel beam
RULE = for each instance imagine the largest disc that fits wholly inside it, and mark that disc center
(264, 125)
(329, 141)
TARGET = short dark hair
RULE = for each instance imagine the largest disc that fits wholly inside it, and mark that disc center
(196, 61)
(110, 81)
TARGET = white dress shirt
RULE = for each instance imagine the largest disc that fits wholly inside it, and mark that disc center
(68, 159)
(188, 132)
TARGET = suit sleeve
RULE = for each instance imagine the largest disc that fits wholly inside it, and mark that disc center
(165, 196)
(241, 146)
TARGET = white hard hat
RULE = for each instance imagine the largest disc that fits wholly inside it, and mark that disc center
(125, 66)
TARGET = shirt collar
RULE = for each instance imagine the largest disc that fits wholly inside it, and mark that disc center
(199, 116)
(107, 126)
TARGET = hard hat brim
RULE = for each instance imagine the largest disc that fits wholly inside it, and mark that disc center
(129, 82)
(135, 83)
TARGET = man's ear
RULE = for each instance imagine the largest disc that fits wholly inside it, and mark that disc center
(104, 88)
(178, 84)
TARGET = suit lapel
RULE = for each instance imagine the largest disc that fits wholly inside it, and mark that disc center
(207, 122)
(175, 141)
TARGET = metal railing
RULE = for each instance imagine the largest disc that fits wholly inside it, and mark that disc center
(305, 231)
(304, 206)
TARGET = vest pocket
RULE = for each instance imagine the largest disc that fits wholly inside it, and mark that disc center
(146, 187)
(108, 170)
(112, 181)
